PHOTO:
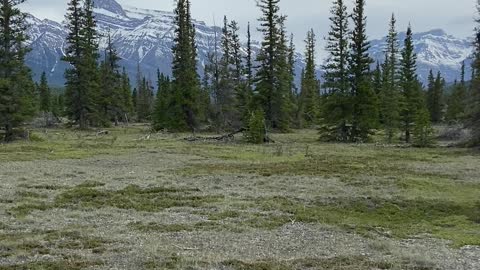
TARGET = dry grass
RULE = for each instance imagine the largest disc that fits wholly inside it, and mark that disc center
(76, 201)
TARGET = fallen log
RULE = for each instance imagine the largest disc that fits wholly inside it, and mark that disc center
(226, 137)
(102, 133)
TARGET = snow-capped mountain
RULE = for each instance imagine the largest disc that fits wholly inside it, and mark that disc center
(146, 37)
(141, 37)
(435, 50)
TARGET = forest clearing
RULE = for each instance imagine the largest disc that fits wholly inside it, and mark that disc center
(135, 200)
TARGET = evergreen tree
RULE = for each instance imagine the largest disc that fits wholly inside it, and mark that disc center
(226, 98)
(78, 101)
(283, 103)
(413, 101)
(256, 128)
(423, 131)
(365, 103)
(293, 95)
(249, 60)
(389, 95)
(435, 97)
(337, 109)
(82, 79)
(144, 100)
(17, 90)
(134, 99)
(164, 92)
(58, 105)
(185, 85)
(474, 106)
(457, 101)
(111, 103)
(377, 80)
(127, 99)
(309, 95)
(244, 93)
(271, 80)
(45, 95)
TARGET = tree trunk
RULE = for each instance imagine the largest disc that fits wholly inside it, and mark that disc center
(82, 123)
(8, 133)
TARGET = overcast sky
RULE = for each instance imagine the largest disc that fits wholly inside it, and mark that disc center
(454, 16)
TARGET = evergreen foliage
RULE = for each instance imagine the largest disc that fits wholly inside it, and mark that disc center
(183, 104)
(457, 100)
(365, 103)
(389, 95)
(413, 101)
(17, 90)
(272, 80)
(164, 92)
(474, 106)
(115, 101)
(45, 94)
(82, 79)
(256, 127)
(423, 131)
(310, 86)
(435, 97)
(337, 102)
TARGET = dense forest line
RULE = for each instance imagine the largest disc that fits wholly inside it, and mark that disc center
(355, 99)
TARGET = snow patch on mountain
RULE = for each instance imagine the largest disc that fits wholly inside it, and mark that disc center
(145, 37)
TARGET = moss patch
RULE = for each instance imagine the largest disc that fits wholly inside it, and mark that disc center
(133, 197)
(399, 218)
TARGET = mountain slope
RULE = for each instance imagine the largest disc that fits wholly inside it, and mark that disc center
(435, 50)
(145, 37)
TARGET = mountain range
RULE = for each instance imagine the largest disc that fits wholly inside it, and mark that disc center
(145, 37)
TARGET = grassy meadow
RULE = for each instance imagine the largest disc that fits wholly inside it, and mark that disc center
(134, 200)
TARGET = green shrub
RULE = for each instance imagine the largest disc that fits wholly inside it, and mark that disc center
(256, 128)
(423, 131)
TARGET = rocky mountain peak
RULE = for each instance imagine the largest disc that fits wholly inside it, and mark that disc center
(111, 6)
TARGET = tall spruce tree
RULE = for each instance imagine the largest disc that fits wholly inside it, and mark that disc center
(185, 84)
(17, 90)
(244, 96)
(365, 103)
(270, 81)
(248, 58)
(457, 100)
(45, 94)
(413, 102)
(435, 97)
(474, 106)
(164, 92)
(127, 99)
(337, 103)
(309, 95)
(78, 101)
(226, 99)
(377, 79)
(144, 100)
(111, 101)
(82, 79)
(283, 104)
(389, 95)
